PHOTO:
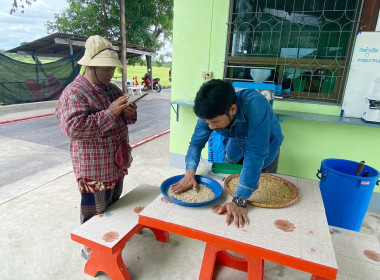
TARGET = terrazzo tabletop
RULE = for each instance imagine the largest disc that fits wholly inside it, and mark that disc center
(299, 231)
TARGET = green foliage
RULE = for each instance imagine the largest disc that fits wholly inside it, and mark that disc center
(145, 20)
(163, 64)
(159, 63)
(19, 4)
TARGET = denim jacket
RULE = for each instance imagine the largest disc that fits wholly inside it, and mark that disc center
(254, 133)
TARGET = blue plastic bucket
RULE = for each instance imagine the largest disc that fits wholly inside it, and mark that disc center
(346, 196)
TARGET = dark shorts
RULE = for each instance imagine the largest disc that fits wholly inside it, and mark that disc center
(96, 203)
(271, 168)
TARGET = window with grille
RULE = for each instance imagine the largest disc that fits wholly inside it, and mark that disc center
(302, 45)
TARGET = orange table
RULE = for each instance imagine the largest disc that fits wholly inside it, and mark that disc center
(297, 236)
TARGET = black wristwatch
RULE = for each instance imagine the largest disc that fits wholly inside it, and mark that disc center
(240, 201)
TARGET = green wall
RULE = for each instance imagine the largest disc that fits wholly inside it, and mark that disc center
(307, 143)
(199, 43)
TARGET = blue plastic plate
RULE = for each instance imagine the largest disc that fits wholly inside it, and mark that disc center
(212, 184)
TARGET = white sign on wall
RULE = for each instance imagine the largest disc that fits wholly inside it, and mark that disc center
(365, 68)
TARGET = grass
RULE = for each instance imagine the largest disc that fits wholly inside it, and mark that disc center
(139, 71)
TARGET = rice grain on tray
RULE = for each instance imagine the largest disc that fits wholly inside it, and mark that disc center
(191, 196)
(269, 191)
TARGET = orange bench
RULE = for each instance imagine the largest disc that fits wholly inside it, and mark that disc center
(106, 234)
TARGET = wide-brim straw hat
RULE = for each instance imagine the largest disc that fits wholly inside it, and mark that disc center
(99, 52)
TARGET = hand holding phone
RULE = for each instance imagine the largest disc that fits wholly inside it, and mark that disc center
(117, 106)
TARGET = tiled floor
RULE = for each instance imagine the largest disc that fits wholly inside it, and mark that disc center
(35, 232)
(357, 254)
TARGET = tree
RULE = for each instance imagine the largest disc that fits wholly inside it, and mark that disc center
(146, 20)
(104, 10)
(19, 3)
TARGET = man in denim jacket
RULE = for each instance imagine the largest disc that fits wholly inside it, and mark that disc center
(254, 139)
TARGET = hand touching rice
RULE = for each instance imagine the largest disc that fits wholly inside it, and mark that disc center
(201, 194)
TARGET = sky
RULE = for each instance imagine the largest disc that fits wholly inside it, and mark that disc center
(27, 27)
(30, 26)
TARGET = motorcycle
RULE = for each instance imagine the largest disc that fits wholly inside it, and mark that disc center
(147, 84)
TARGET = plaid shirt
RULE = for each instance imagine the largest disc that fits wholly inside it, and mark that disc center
(94, 131)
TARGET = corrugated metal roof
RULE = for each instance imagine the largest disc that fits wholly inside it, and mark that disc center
(58, 45)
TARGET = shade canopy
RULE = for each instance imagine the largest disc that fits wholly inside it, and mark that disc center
(63, 44)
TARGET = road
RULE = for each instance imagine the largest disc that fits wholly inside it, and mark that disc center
(38, 143)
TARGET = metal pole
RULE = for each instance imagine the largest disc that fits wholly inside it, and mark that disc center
(71, 54)
(34, 55)
(123, 46)
(150, 71)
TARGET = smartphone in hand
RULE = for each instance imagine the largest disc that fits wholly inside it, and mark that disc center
(138, 99)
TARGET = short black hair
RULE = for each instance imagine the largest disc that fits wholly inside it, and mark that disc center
(214, 99)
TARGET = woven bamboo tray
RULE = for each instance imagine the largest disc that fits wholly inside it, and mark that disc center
(262, 200)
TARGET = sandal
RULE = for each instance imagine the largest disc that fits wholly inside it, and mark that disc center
(84, 255)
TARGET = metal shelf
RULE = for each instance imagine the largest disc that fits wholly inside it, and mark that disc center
(179, 103)
(295, 115)
(324, 118)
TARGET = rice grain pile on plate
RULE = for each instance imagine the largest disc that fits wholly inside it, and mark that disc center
(191, 196)
(269, 191)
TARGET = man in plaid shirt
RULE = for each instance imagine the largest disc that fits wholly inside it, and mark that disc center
(95, 115)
